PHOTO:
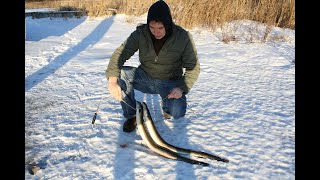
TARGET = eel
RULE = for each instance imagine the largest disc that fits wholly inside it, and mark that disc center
(146, 137)
(159, 140)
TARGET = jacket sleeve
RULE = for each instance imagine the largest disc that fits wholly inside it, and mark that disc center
(191, 64)
(122, 54)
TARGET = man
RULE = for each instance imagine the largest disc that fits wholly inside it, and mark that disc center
(169, 66)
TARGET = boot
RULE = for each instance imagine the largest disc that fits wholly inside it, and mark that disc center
(130, 124)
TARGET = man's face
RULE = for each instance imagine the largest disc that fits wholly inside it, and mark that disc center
(157, 29)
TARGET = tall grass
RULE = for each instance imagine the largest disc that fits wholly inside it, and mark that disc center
(189, 13)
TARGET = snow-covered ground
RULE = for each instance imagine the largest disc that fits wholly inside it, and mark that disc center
(241, 108)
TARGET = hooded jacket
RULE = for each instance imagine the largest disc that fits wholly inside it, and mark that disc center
(160, 11)
(176, 55)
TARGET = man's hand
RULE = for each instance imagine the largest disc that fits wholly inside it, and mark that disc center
(175, 93)
(114, 88)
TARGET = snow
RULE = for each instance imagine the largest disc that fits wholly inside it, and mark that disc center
(241, 108)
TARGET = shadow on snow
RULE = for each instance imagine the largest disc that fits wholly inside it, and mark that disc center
(38, 76)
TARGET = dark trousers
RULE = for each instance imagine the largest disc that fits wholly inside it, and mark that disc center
(135, 78)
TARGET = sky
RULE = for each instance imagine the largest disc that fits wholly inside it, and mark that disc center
(242, 107)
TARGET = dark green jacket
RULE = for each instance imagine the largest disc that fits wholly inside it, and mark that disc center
(178, 52)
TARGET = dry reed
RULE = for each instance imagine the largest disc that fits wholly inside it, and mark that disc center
(190, 13)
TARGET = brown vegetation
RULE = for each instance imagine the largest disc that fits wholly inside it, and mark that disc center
(189, 13)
